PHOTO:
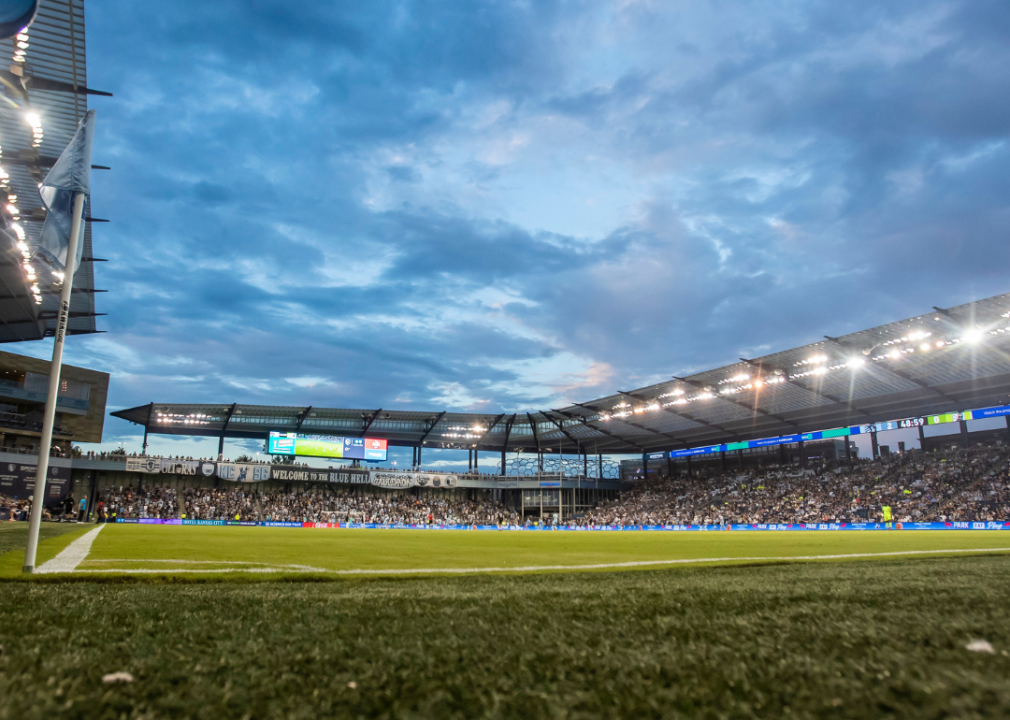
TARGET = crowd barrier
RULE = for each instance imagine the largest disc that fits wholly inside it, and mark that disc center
(761, 527)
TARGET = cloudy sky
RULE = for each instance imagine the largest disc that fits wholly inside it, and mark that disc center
(510, 205)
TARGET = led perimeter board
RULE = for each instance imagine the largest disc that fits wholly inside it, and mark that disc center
(951, 417)
(327, 446)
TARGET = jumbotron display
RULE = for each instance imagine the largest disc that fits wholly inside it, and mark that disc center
(327, 446)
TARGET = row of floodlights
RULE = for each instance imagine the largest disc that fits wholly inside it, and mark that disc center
(814, 365)
(191, 419)
(21, 46)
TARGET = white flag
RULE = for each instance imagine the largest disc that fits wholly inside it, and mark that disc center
(71, 174)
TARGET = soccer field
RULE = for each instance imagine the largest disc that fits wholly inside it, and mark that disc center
(259, 551)
(800, 624)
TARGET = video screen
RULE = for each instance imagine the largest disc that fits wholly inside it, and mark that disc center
(327, 446)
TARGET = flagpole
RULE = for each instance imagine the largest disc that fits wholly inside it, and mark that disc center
(46, 443)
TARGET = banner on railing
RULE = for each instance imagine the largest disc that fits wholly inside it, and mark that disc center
(243, 472)
(143, 464)
(259, 472)
(287, 473)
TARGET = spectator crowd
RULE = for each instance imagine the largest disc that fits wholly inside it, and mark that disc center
(970, 484)
(953, 485)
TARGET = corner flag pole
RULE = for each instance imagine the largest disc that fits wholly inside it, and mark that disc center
(46, 443)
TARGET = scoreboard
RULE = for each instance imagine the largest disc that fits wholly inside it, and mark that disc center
(327, 446)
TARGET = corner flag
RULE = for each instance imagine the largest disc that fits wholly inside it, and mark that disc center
(70, 175)
(63, 193)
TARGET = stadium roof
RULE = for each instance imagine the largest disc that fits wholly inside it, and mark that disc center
(46, 95)
(947, 360)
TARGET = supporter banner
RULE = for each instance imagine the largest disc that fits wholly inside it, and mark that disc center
(179, 467)
(435, 480)
(352, 477)
(143, 465)
(393, 479)
(242, 472)
(169, 466)
(18, 480)
(387, 479)
(287, 473)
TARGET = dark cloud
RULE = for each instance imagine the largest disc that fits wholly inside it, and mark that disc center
(399, 204)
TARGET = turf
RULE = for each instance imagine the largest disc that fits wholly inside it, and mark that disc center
(854, 640)
(191, 550)
(14, 538)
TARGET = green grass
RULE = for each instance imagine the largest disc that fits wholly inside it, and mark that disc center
(852, 640)
(196, 550)
(53, 537)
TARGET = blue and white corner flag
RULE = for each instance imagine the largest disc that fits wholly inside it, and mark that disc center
(71, 174)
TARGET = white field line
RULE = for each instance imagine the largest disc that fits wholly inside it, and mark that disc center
(72, 554)
(306, 568)
(534, 568)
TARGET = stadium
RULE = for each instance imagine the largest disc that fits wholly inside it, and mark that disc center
(816, 531)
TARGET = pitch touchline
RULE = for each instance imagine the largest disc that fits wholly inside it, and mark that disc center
(534, 568)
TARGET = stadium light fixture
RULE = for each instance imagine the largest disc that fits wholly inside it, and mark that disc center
(972, 335)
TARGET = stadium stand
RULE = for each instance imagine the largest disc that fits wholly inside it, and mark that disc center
(957, 484)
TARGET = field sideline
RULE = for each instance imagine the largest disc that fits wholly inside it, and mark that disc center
(209, 551)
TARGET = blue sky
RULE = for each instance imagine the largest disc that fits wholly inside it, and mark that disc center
(511, 205)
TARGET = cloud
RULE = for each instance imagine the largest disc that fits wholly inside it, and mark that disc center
(515, 205)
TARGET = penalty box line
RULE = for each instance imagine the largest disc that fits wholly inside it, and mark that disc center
(521, 568)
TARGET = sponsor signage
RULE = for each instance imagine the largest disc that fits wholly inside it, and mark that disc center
(18, 480)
